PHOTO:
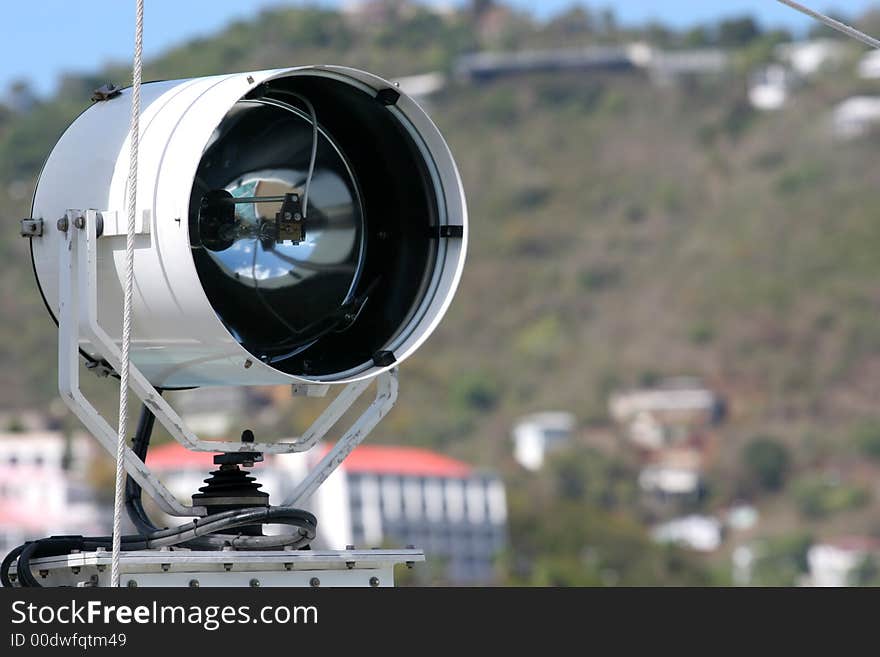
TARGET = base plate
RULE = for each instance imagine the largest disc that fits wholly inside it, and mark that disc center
(182, 567)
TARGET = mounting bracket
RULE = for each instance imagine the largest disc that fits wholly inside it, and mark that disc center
(78, 321)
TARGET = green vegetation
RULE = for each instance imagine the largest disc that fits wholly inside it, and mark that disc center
(867, 439)
(767, 463)
(820, 497)
(867, 573)
(574, 527)
(781, 560)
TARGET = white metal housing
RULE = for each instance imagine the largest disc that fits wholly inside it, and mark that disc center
(178, 338)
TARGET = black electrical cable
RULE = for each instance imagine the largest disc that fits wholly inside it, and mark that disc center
(7, 564)
(133, 494)
(25, 576)
(200, 534)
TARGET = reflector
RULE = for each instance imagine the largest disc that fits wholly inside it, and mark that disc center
(297, 225)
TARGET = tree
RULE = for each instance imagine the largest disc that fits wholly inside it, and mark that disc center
(767, 462)
(781, 560)
(867, 439)
(738, 31)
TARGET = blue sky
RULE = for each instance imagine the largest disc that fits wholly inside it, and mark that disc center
(43, 38)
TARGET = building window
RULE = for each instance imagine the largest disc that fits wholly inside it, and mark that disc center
(454, 500)
(476, 502)
(412, 498)
(391, 497)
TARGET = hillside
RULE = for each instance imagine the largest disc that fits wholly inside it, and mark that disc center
(621, 232)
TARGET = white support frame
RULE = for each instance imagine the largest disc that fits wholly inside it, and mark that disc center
(78, 321)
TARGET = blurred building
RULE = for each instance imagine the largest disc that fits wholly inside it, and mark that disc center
(421, 87)
(219, 411)
(700, 533)
(537, 434)
(409, 496)
(666, 66)
(484, 66)
(673, 474)
(869, 66)
(741, 517)
(770, 87)
(380, 496)
(809, 58)
(855, 117)
(833, 563)
(667, 414)
(43, 487)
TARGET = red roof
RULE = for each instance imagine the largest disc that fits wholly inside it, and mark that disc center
(174, 456)
(412, 461)
(373, 459)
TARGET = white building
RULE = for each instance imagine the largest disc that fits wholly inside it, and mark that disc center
(670, 480)
(673, 400)
(741, 517)
(700, 533)
(808, 58)
(421, 87)
(671, 413)
(769, 88)
(537, 434)
(673, 473)
(43, 490)
(393, 496)
(832, 563)
(855, 117)
(666, 66)
(869, 66)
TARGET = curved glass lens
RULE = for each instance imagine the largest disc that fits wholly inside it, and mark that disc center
(279, 273)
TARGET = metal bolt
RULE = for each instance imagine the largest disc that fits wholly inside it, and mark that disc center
(350, 565)
(248, 363)
(44, 574)
(297, 217)
(314, 582)
(255, 583)
(374, 581)
(79, 222)
(131, 584)
(349, 547)
(62, 224)
(193, 583)
(166, 567)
